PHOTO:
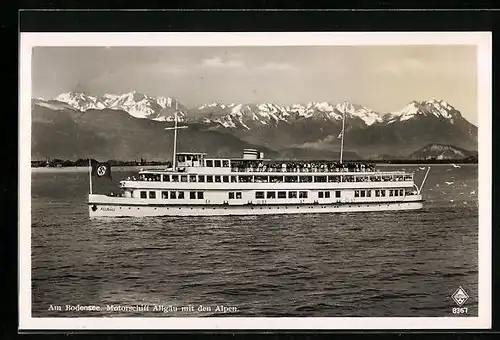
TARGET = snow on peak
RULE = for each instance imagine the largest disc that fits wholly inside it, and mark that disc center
(368, 116)
(437, 108)
(211, 106)
(135, 103)
(80, 101)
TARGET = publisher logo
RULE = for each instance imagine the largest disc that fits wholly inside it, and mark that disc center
(460, 296)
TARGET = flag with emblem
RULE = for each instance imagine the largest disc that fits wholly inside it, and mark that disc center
(340, 135)
(100, 169)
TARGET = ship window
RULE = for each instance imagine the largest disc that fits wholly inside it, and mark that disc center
(276, 179)
(238, 195)
(271, 194)
(231, 195)
(391, 193)
(302, 194)
(377, 193)
(166, 178)
(245, 179)
(363, 193)
(184, 178)
(334, 179)
(396, 192)
(210, 163)
(233, 179)
(225, 178)
(368, 193)
(164, 194)
(327, 194)
(210, 179)
(348, 178)
(192, 178)
(356, 193)
(180, 195)
(175, 178)
(291, 179)
(217, 179)
(172, 194)
(401, 192)
(382, 193)
(225, 163)
(192, 195)
(259, 194)
(408, 178)
(144, 194)
(217, 163)
(281, 194)
(261, 179)
(337, 193)
(200, 195)
(320, 178)
(152, 194)
(305, 179)
(320, 194)
(292, 194)
(201, 178)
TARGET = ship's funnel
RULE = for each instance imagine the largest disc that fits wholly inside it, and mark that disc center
(250, 154)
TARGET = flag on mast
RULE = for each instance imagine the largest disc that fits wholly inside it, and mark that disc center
(340, 135)
(100, 169)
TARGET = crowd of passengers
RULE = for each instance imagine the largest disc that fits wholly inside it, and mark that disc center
(302, 167)
(272, 178)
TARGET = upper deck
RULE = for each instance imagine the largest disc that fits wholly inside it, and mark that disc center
(195, 167)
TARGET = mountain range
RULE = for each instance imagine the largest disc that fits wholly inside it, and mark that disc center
(308, 130)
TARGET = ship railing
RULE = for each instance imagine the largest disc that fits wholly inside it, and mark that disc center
(300, 170)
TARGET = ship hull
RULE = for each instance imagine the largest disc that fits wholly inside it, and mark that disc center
(108, 209)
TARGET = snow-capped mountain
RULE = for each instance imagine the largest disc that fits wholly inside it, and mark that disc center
(81, 101)
(136, 104)
(368, 116)
(417, 109)
(248, 116)
(311, 127)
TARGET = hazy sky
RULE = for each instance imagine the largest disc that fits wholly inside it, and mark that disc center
(383, 78)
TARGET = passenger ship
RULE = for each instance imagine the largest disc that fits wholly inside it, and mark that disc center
(197, 185)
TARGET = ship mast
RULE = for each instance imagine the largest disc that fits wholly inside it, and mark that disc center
(175, 128)
(342, 134)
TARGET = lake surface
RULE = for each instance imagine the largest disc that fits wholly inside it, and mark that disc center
(399, 264)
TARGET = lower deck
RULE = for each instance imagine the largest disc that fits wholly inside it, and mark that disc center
(104, 206)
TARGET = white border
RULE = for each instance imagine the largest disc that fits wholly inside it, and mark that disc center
(484, 53)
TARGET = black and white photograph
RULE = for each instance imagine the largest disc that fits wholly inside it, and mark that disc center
(255, 180)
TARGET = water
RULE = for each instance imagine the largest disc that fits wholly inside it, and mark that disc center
(399, 264)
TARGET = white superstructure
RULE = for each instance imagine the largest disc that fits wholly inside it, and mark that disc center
(197, 185)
